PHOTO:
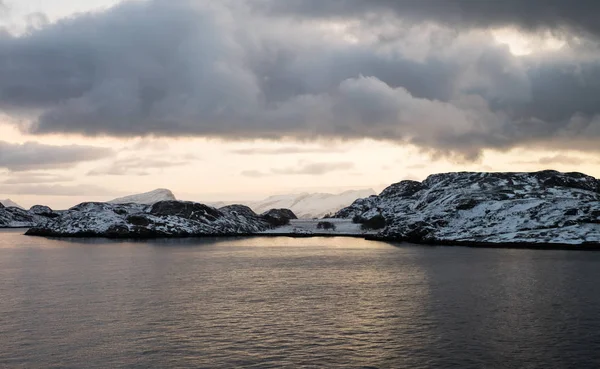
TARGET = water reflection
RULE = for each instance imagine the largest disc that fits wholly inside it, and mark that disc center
(281, 302)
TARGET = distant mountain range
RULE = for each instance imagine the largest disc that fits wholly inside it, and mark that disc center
(305, 205)
(537, 209)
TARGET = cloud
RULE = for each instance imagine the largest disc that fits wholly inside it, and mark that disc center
(254, 173)
(55, 190)
(228, 70)
(528, 15)
(560, 159)
(136, 166)
(289, 150)
(35, 178)
(34, 156)
(312, 169)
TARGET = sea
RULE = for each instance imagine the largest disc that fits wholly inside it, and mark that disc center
(277, 302)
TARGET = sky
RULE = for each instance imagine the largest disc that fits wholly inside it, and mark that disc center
(232, 100)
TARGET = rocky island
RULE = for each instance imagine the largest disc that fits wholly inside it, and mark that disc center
(15, 217)
(161, 219)
(545, 209)
(538, 209)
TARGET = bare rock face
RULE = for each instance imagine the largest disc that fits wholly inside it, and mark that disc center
(278, 217)
(546, 207)
(161, 219)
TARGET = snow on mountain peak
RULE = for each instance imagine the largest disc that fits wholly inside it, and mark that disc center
(147, 198)
(9, 203)
(310, 205)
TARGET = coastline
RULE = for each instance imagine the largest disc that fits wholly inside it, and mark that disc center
(585, 246)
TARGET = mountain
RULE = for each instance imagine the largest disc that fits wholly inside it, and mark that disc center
(147, 198)
(466, 208)
(14, 217)
(161, 219)
(310, 205)
(9, 203)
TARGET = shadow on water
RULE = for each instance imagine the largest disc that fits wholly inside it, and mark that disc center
(154, 242)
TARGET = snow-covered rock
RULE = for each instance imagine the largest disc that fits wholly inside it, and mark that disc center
(9, 203)
(544, 208)
(13, 217)
(162, 219)
(147, 198)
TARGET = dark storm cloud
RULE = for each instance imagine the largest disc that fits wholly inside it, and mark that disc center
(226, 70)
(32, 156)
(578, 15)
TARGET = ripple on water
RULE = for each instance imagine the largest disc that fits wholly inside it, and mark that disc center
(279, 302)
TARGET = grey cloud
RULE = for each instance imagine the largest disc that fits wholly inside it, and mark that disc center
(55, 190)
(560, 159)
(302, 169)
(136, 166)
(33, 155)
(315, 168)
(35, 178)
(254, 173)
(578, 15)
(286, 150)
(213, 69)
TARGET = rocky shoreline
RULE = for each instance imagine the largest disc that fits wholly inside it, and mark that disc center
(539, 210)
(466, 208)
(177, 219)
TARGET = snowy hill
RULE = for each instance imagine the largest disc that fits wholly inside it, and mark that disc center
(9, 203)
(147, 198)
(310, 205)
(162, 219)
(513, 209)
(14, 217)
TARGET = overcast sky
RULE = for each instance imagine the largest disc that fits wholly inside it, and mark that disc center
(237, 100)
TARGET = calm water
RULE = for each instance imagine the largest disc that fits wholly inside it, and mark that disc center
(278, 302)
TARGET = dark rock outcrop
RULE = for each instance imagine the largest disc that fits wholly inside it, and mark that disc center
(278, 217)
(43, 211)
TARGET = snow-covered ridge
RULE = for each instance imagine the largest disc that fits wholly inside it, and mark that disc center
(15, 217)
(546, 207)
(161, 219)
(147, 198)
(308, 205)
